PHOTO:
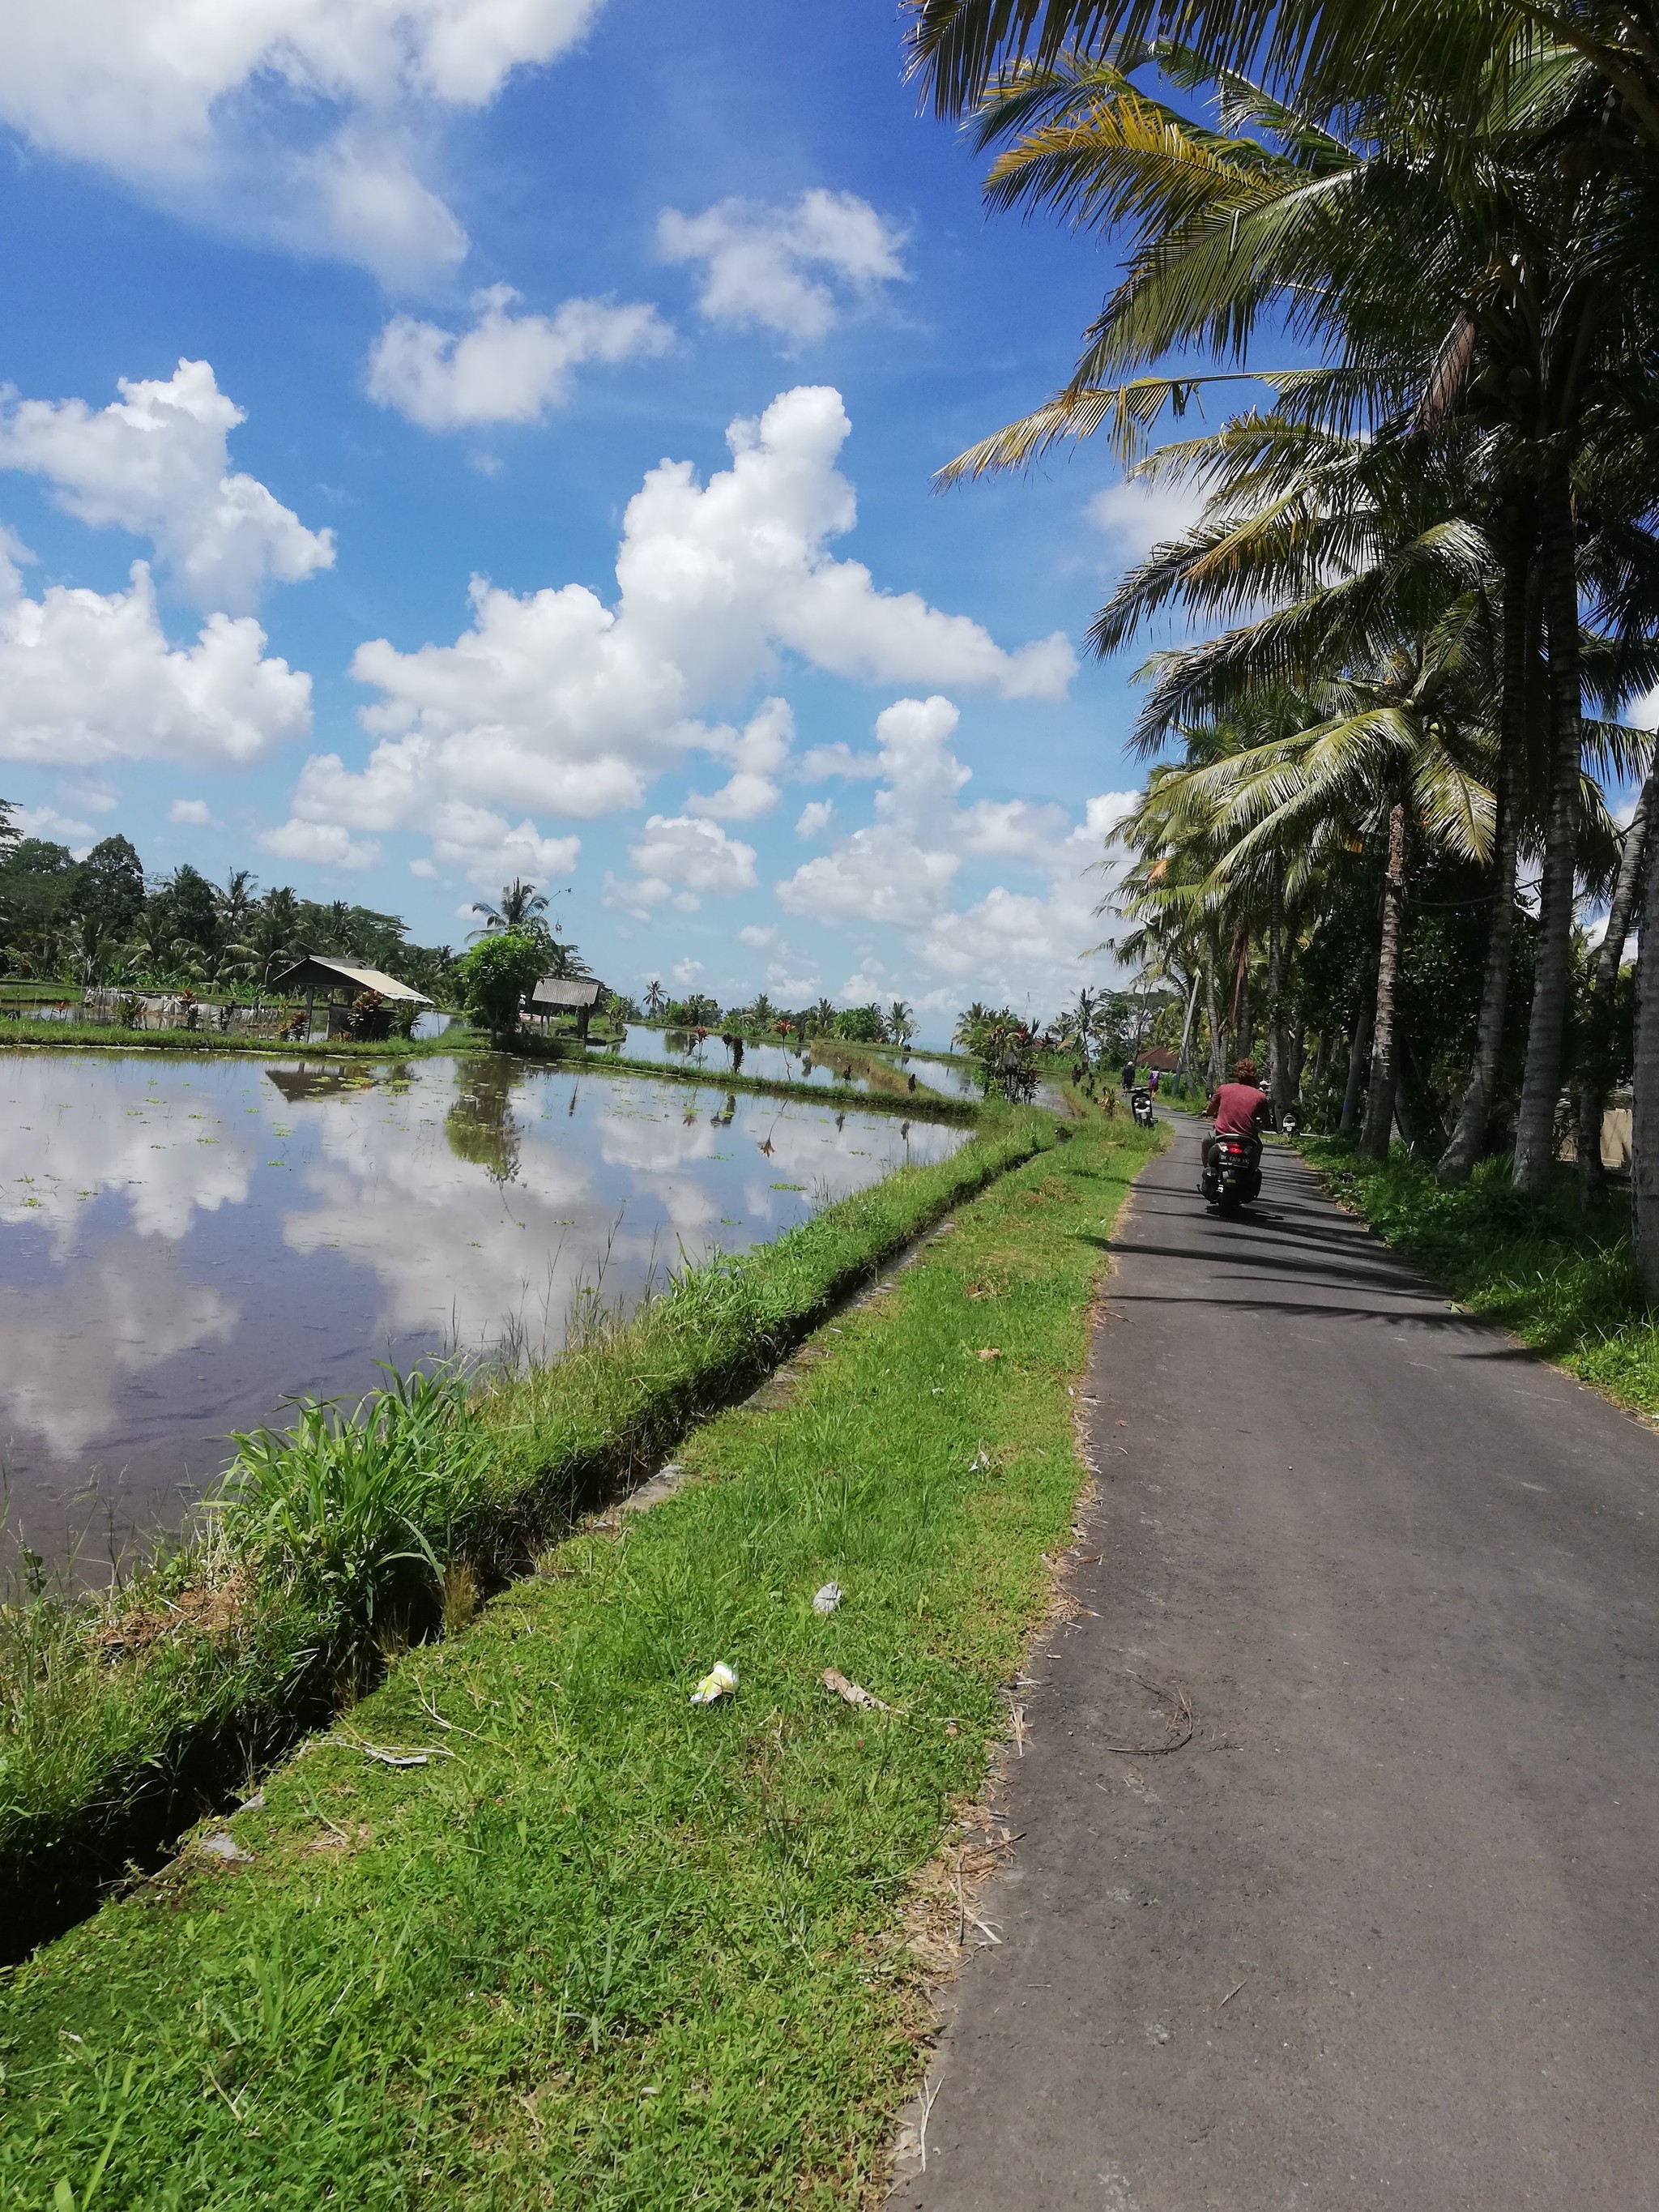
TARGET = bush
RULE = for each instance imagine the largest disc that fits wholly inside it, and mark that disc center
(496, 976)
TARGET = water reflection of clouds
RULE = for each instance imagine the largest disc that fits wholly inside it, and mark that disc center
(169, 1155)
(288, 1228)
(456, 1249)
(71, 1360)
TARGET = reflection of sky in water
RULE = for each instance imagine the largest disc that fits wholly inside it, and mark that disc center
(187, 1242)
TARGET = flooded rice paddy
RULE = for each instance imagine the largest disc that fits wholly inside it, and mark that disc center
(186, 1243)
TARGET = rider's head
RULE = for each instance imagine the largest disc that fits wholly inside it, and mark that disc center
(1245, 1070)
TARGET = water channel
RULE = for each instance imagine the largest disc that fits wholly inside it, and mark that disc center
(188, 1243)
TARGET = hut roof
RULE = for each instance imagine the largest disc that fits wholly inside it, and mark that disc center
(577, 991)
(314, 973)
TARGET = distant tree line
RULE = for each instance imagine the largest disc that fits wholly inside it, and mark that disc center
(104, 919)
(895, 1024)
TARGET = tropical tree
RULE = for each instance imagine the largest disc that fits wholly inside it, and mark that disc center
(495, 976)
(656, 999)
(521, 905)
(1475, 268)
(900, 1022)
(237, 899)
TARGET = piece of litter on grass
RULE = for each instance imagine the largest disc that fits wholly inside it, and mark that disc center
(721, 1682)
(988, 1353)
(852, 1693)
(223, 1845)
(253, 1804)
(827, 1599)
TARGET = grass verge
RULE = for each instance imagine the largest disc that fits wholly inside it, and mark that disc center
(341, 1541)
(602, 1948)
(1562, 1284)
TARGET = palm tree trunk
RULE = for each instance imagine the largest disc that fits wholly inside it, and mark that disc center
(1592, 1089)
(1540, 1087)
(1242, 1024)
(1277, 1055)
(1356, 1051)
(1469, 1135)
(1645, 1105)
(1212, 1016)
(1379, 1097)
(1187, 1027)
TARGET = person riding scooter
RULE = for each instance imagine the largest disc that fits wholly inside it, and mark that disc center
(1238, 1108)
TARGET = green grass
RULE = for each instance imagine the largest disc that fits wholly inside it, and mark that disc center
(1563, 1285)
(604, 1949)
(346, 1537)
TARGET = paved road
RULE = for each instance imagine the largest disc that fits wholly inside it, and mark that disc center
(1408, 1581)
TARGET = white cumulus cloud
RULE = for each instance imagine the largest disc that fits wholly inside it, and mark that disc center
(87, 677)
(1135, 515)
(322, 844)
(814, 818)
(304, 122)
(683, 858)
(156, 462)
(192, 813)
(794, 271)
(757, 752)
(556, 702)
(508, 368)
(902, 870)
(46, 822)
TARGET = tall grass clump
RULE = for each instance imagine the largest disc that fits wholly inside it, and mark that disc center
(352, 1515)
(335, 1541)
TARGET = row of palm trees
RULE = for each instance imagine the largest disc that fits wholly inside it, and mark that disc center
(1423, 585)
(895, 1024)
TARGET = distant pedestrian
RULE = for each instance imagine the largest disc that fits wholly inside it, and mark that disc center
(1128, 1075)
(1156, 1072)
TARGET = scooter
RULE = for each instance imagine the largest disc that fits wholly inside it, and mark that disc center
(1140, 1105)
(1290, 1122)
(1232, 1173)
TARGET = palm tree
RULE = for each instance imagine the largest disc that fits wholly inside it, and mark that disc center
(1485, 244)
(236, 901)
(1316, 53)
(656, 999)
(562, 960)
(155, 949)
(901, 1022)
(521, 905)
(89, 948)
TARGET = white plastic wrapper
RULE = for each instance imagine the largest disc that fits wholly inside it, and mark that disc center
(721, 1682)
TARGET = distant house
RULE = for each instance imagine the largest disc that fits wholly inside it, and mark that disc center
(567, 994)
(327, 979)
(1160, 1057)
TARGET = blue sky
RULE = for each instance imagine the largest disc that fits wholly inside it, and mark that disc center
(472, 274)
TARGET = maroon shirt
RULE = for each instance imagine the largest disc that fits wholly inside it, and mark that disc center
(1238, 1109)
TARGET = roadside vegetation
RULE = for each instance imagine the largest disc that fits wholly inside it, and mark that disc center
(342, 1539)
(600, 1946)
(1565, 1284)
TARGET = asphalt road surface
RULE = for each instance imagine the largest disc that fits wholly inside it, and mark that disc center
(1383, 1932)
